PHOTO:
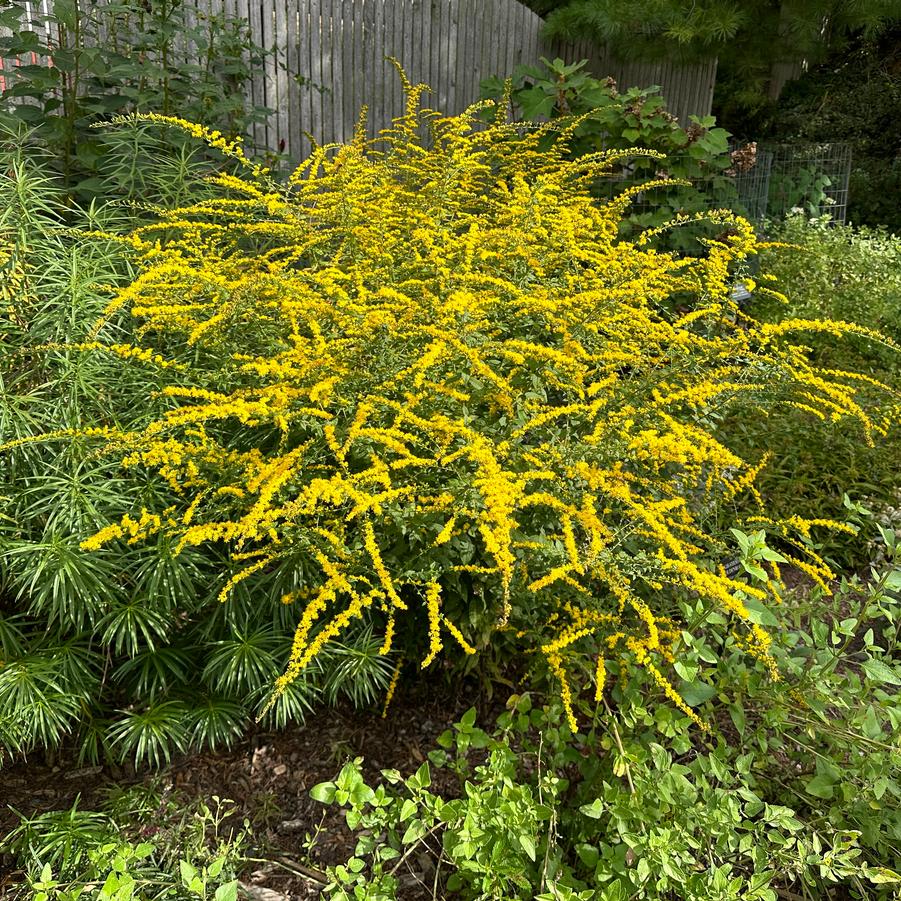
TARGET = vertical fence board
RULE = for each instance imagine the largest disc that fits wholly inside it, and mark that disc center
(403, 47)
(333, 73)
(346, 70)
(371, 66)
(358, 73)
(300, 74)
(422, 49)
(321, 74)
(467, 85)
(333, 76)
(283, 45)
(383, 70)
(299, 64)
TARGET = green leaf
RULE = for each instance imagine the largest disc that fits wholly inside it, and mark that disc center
(424, 776)
(227, 892)
(323, 792)
(760, 614)
(871, 725)
(881, 672)
(528, 845)
(737, 715)
(821, 786)
(415, 831)
(535, 102)
(407, 810)
(881, 875)
(695, 693)
(588, 854)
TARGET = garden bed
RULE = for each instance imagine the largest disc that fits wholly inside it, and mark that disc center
(268, 775)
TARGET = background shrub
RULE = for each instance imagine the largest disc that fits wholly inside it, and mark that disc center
(113, 58)
(846, 273)
(852, 96)
(697, 155)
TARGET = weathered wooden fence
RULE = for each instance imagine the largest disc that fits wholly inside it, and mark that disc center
(328, 59)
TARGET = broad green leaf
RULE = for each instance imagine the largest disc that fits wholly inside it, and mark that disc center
(528, 845)
(324, 792)
(821, 786)
(881, 672)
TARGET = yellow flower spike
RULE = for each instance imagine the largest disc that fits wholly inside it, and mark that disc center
(556, 667)
(389, 633)
(600, 679)
(433, 607)
(445, 534)
(392, 687)
(458, 635)
(239, 577)
(379, 566)
(569, 541)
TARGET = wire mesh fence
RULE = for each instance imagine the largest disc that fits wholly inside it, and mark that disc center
(762, 182)
(810, 177)
(750, 174)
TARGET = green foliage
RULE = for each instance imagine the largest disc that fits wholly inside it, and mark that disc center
(795, 793)
(854, 96)
(140, 846)
(850, 274)
(696, 158)
(805, 188)
(747, 38)
(112, 58)
(839, 271)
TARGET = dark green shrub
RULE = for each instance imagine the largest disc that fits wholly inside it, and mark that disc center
(854, 96)
(635, 119)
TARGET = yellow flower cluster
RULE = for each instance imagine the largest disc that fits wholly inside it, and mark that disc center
(431, 369)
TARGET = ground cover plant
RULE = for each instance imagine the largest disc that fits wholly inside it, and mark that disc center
(794, 792)
(143, 844)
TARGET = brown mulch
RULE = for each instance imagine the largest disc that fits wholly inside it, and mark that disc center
(269, 776)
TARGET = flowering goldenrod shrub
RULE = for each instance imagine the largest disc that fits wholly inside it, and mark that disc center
(425, 385)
